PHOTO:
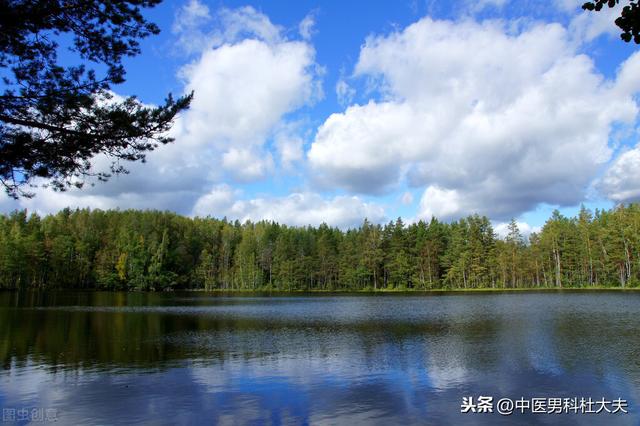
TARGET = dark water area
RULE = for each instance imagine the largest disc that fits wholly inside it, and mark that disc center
(199, 358)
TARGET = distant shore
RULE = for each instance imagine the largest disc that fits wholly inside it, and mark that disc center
(409, 290)
(162, 251)
(344, 291)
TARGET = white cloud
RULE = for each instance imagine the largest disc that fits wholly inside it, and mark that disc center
(621, 182)
(440, 203)
(628, 80)
(218, 200)
(487, 120)
(246, 165)
(244, 22)
(289, 145)
(187, 26)
(196, 29)
(306, 26)
(344, 92)
(299, 209)
(357, 149)
(244, 86)
(243, 90)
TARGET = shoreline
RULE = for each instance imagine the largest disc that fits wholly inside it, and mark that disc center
(341, 291)
(418, 291)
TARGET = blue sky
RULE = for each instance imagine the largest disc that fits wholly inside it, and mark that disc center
(313, 111)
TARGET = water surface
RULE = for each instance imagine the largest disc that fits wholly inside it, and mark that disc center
(186, 358)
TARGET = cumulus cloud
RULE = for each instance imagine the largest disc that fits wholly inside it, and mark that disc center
(485, 119)
(440, 203)
(300, 209)
(244, 86)
(243, 90)
(621, 182)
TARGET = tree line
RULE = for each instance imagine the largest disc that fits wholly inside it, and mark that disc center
(153, 250)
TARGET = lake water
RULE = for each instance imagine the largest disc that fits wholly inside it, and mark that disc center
(198, 358)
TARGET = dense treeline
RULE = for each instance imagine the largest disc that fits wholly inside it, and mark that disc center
(151, 250)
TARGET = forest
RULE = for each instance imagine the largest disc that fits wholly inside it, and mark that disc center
(155, 251)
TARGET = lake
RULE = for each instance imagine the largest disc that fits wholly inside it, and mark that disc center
(201, 358)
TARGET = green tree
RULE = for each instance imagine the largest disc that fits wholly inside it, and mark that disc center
(327, 257)
(158, 277)
(457, 256)
(585, 232)
(351, 273)
(284, 260)
(397, 257)
(515, 245)
(249, 274)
